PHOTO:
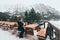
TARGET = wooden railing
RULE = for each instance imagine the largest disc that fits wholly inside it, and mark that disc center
(57, 31)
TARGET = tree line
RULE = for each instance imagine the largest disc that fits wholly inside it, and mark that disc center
(29, 16)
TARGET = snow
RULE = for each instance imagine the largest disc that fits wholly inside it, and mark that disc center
(5, 35)
(47, 38)
(56, 24)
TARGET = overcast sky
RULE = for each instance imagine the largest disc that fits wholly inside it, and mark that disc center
(5, 4)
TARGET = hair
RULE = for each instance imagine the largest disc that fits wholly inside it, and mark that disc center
(19, 18)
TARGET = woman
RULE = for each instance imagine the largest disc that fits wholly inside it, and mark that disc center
(20, 27)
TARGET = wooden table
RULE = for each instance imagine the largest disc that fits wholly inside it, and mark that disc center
(30, 29)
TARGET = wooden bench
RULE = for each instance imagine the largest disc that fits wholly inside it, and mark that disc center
(42, 34)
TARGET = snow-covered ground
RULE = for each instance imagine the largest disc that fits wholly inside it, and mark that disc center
(5, 35)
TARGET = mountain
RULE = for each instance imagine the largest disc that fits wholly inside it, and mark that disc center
(45, 8)
(38, 7)
(46, 12)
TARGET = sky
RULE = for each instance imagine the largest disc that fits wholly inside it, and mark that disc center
(6, 4)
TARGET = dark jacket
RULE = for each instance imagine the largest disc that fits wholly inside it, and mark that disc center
(20, 26)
